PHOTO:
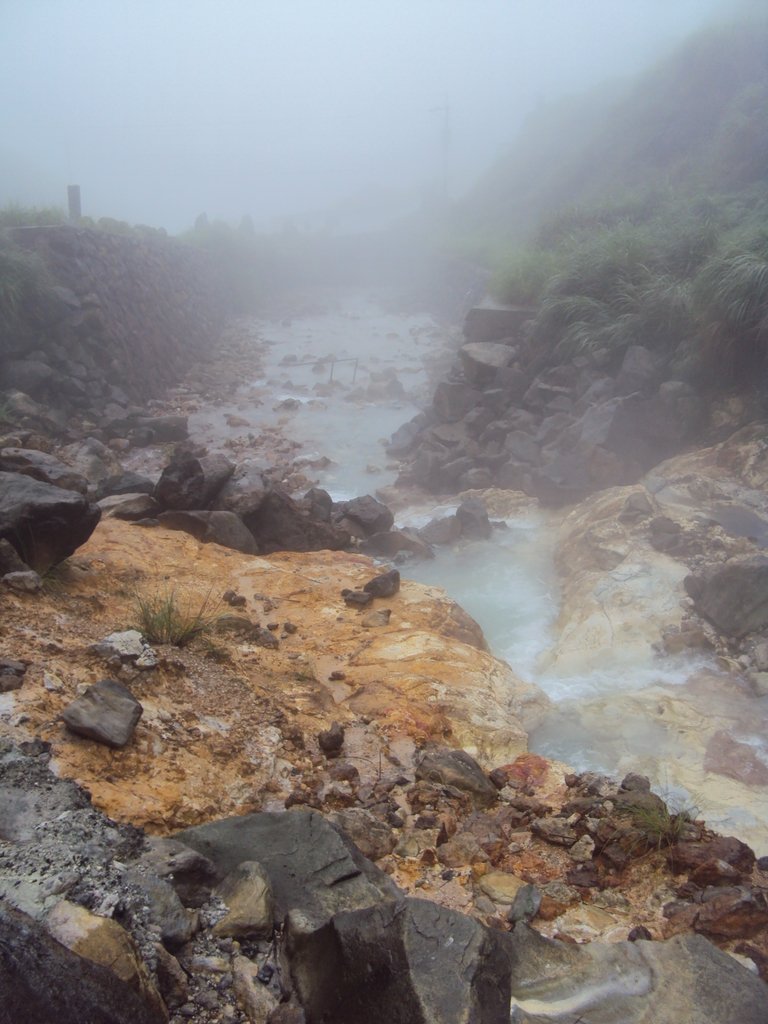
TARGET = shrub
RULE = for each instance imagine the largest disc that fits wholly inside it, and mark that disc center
(661, 826)
(732, 294)
(164, 619)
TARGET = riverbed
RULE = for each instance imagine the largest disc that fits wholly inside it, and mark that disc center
(338, 376)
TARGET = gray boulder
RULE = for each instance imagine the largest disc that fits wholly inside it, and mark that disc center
(453, 400)
(41, 466)
(245, 490)
(473, 519)
(311, 866)
(223, 528)
(481, 361)
(394, 542)
(733, 596)
(458, 769)
(124, 483)
(107, 712)
(43, 981)
(403, 962)
(367, 512)
(282, 524)
(129, 507)
(683, 979)
(191, 483)
(386, 584)
(491, 323)
(45, 524)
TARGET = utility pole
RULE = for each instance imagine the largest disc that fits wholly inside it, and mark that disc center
(73, 201)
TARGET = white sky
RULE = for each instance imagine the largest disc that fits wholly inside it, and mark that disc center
(161, 109)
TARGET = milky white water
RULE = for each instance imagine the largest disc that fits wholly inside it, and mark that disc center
(623, 712)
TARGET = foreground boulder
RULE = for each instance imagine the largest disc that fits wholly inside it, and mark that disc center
(89, 971)
(734, 597)
(191, 483)
(682, 979)
(107, 712)
(282, 524)
(404, 962)
(42, 466)
(311, 866)
(45, 524)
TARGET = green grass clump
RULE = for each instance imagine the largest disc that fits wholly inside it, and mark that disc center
(14, 215)
(165, 619)
(23, 279)
(662, 826)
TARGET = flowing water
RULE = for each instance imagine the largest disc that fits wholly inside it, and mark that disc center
(341, 379)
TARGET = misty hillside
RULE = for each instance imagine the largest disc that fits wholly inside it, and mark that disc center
(697, 121)
(643, 220)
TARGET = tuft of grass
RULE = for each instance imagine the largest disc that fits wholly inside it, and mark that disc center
(662, 826)
(164, 618)
(14, 215)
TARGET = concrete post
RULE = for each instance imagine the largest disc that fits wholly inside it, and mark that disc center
(73, 199)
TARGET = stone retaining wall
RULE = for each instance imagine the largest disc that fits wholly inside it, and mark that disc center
(117, 319)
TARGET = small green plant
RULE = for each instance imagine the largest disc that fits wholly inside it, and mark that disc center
(165, 619)
(661, 825)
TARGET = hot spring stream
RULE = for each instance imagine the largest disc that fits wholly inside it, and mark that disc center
(620, 713)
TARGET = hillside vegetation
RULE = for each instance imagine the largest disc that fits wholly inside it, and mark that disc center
(642, 218)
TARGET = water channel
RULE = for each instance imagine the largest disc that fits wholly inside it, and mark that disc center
(339, 378)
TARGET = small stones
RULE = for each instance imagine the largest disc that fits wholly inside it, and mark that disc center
(331, 740)
(126, 648)
(233, 599)
(356, 598)
(377, 618)
(386, 584)
(27, 582)
(107, 712)
(11, 674)
(582, 850)
(525, 905)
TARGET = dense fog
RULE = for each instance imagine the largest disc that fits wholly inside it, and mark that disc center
(335, 113)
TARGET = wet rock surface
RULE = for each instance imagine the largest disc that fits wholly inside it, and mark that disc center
(233, 726)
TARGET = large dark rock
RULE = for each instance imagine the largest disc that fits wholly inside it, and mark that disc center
(129, 507)
(282, 524)
(370, 514)
(492, 323)
(43, 981)
(107, 712)
(190, 483)
(460, 770)
(473, 519)
(394, 542)
(223, 528)
(245, 490)
(453, 400)
(683, 979)
(124, 483)
(311, 866)
(481, 361)
(164, 428)
(733, 596)
(405, 437)
(386, 584)
(45, 524)
(41, 466)
(31, 376)
(403, 962)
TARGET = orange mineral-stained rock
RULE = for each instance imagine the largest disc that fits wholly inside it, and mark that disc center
(217, 733)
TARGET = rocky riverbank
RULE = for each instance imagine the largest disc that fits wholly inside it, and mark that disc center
(339, 732)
